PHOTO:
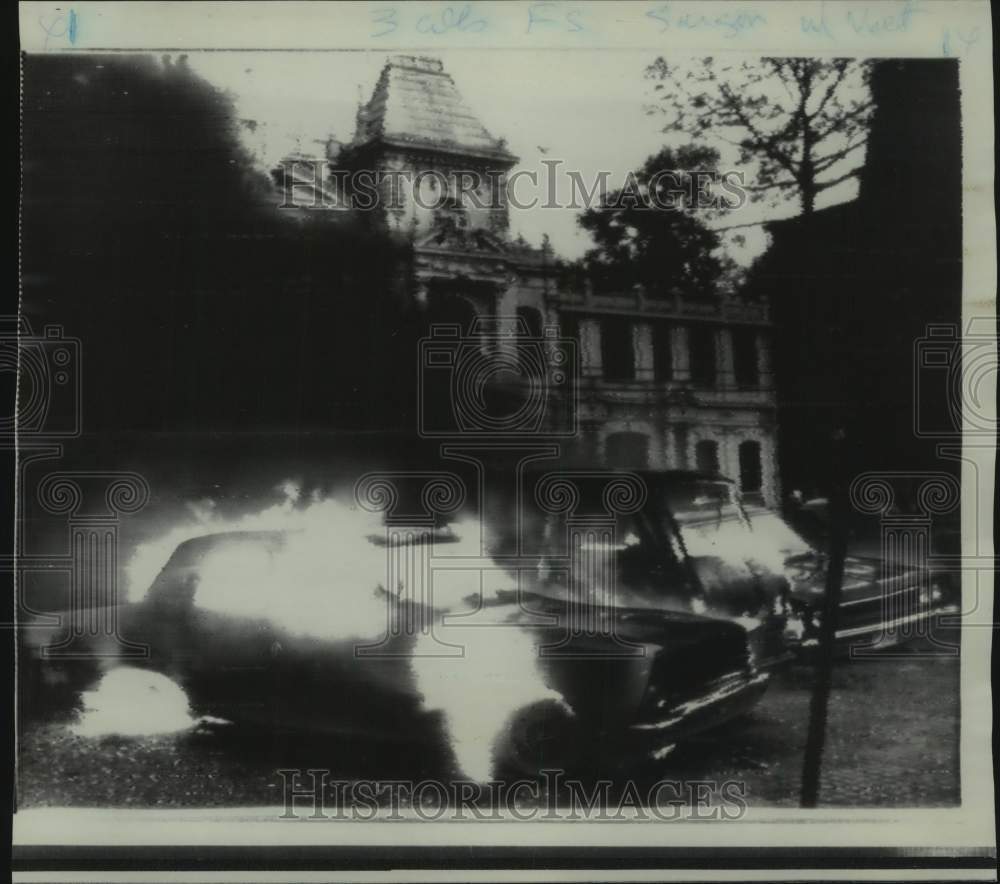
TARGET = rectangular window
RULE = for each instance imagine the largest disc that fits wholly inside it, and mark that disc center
(702, 348)
(617, 350)
(751, 474)
(745, 359)
(706, 455)
(663, 356)
(569, 326)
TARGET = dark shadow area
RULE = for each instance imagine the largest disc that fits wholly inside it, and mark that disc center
(149, 235)
(854, 288)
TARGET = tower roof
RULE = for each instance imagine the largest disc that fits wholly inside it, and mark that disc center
(416, 103)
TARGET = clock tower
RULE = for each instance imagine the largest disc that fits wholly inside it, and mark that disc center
(441, 179)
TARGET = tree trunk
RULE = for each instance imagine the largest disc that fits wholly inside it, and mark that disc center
(808, 195)
(807, 173)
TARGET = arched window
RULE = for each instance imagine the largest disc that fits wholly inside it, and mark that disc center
(751, 478)
(445, 311)
(628, 451)
(529, 322)
(706, 456)
(449, 308)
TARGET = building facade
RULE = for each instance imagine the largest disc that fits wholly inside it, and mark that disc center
(657, 383)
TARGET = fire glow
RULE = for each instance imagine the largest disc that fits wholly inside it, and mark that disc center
(133, 702)
(329, 579)
(480, 691)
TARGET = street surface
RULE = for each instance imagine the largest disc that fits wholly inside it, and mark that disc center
(892, 742)
(892, 736)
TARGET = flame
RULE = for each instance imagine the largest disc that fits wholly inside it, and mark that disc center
(730, 540)
(496, 675)
(133, 702)
(149, 558)
(322, 582)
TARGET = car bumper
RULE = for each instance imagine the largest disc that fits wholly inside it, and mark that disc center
(879, 633)
(668, 723)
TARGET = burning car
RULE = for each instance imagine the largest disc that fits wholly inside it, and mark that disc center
(614, 633)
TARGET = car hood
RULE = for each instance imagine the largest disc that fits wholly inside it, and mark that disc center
(808, 574)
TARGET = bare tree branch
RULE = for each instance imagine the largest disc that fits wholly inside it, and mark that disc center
(798, 117)
(828, 184)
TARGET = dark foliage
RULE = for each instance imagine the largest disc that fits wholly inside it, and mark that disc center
(656, 240)
(149, 234)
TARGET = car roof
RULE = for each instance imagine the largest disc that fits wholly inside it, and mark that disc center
(653, 478)
(191, 553)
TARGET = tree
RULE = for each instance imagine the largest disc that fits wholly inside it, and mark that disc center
(800, 119)
(652, 231)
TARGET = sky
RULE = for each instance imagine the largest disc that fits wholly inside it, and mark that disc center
(587, 109)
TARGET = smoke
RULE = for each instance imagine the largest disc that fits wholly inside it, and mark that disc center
(176, 235)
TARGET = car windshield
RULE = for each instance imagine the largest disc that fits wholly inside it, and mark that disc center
(768, 524)
(713, 523)
(709, 517)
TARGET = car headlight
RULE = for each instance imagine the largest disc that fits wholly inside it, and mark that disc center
(940, 588)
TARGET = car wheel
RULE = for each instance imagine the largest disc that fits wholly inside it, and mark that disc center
(543, 735)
